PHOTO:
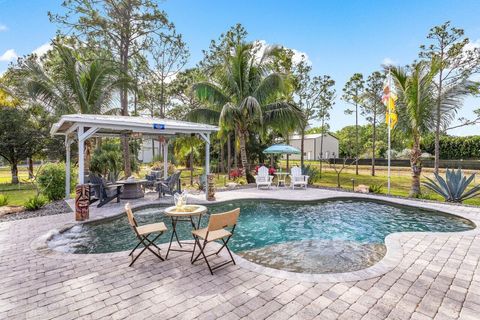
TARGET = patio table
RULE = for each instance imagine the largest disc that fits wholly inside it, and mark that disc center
(281, 178)
(132, 189)
(185, 213)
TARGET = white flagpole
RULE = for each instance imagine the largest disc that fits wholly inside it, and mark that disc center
(389, 125)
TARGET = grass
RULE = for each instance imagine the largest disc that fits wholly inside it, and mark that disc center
(17, 194)
(400, 181)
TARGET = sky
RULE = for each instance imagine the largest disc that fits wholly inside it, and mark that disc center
(339, 37)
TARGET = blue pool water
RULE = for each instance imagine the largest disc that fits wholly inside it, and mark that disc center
(351, 230)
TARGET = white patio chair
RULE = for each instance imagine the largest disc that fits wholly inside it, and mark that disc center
(263, 179)
(297, 178)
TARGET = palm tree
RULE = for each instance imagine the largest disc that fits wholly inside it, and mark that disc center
(81, 87)
(75, 87)
(243, 96)
(416, 89)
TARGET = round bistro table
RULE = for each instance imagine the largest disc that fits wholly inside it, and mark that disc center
(187, 213)
(281, 178)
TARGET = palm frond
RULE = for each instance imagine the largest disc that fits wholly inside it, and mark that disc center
(270, 86)
(283, 116)
(204, 115)
(210, 93)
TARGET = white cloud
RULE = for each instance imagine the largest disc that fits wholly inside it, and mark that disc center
(44, 48)
(297, 55)
(388, 62)
(3, 28)
(8, 55)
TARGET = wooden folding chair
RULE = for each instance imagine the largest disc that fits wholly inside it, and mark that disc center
(213, 232)
(142, 233)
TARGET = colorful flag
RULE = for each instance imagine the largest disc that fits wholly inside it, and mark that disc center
(389, 97)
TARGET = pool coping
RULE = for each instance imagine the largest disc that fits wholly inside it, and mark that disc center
(393, 256)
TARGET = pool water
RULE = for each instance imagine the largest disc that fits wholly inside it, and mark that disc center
(315, 237)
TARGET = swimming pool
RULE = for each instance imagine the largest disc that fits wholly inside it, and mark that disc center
(315, 237)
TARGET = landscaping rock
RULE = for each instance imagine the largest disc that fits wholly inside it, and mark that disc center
(10, 209)
(56, 207)
(362, 188)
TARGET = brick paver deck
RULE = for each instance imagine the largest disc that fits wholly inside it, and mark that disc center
(437, 277)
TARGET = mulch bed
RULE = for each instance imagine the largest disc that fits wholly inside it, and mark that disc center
(56, 207)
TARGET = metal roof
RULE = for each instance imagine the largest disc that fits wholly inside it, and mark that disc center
(311, 136)
(111, 125)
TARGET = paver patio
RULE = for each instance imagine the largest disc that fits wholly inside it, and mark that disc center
(437, 276)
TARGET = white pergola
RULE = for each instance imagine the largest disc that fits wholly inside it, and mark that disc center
(80, 127)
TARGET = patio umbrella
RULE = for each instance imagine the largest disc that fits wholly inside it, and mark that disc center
(281, 149)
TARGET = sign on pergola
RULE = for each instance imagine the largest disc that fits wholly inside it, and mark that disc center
(80, 127)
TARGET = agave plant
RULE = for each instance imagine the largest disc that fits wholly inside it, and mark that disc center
(454, 187)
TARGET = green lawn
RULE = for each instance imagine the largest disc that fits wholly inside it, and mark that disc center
(17, 194)
(400, 182)
(400, 179)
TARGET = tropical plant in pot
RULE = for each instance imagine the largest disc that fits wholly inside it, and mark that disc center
(454, 186)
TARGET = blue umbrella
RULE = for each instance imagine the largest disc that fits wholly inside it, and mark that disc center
(281, 149)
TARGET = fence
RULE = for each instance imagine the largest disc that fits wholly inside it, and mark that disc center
(451, 164)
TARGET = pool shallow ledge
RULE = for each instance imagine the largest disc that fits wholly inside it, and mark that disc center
(393, 256)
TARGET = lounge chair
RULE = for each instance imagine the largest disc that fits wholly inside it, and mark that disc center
(103, 191)
(142, 233)
(263, 178)
(152, 179)
(297, 178)
(170, 186)
(213, 232)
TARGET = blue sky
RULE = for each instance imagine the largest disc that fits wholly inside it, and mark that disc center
(339, 37)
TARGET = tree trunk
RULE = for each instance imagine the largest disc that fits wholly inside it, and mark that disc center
(416, 165)
(153, 150)
(322, 132)
(374, 139)
(222, 157)
(124, 54)
(243, 153)
(235, 154)
(88, 156)
(30, 168)
(356, 139)
(162, 99)
(14, 170)
(229, 155)
(302, 147)
(438, 115)
(191, 166)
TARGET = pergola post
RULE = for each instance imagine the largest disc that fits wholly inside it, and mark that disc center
(67, 167)
(207, 154)
(82, 136)
(206, 138)
(81, 157)
(165, 159)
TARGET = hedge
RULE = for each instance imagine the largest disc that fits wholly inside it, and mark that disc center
(454, 148)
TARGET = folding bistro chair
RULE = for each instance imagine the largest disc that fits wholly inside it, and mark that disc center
(213, 232)
(142, 233)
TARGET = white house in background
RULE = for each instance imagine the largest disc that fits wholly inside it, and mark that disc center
(150, 149)
(312, 146)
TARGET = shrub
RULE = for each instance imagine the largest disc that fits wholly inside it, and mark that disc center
(51, 180)
(235, 173)
(158, 165)
(35, 202)
(3, 200)
(241, 181)
(312, 172)
(375, 188)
